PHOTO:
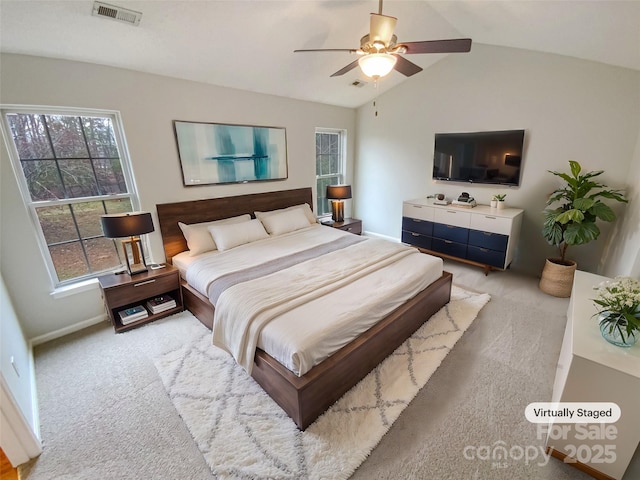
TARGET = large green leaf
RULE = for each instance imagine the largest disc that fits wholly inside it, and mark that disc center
(583, 203)
(575, 168)
(581, 233)
(572, 215)
(551, 230)
(612, 194)
(552, 234)
(603, 212)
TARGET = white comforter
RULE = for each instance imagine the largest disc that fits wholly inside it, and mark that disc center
(306, 312)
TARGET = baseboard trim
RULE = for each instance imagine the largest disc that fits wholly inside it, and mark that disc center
(40, 339)
(588, 469)
(379, 235)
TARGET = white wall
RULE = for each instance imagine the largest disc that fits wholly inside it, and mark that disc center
(623, 255)
(15, 358)
(571, 110)
(19, 429)
(148, 105)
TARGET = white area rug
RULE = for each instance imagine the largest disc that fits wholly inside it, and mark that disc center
(244, 434)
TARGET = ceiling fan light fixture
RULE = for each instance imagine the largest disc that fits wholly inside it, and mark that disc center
(376, 65)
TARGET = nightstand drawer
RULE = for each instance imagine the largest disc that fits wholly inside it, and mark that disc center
(351, 225)
(141, 289)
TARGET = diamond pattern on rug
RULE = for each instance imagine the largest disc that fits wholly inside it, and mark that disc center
(242, 433)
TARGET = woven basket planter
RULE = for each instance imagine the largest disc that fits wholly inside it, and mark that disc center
(557, 277)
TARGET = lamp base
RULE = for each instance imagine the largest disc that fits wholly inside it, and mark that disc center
(134, 255)
(337, 211)
(137, 268)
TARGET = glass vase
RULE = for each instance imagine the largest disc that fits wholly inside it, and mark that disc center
(613, 327)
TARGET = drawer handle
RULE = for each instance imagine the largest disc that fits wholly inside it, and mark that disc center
(144, 283)
(416, 220)
(415, 234)
(451, 211)
(488, 234)
(348, 229)
(416, 206)
(450, 226)
(448, 241)
(485, 250)
(492, 218)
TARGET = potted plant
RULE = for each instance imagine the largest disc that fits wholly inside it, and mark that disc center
(572, 221)
(498, 200)
(619, 313)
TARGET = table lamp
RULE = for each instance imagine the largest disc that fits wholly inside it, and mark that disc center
(130, 225)
(338, 194)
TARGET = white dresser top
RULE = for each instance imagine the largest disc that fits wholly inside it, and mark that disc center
(587, 340)
(507, 212)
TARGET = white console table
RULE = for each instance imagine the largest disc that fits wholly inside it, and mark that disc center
(592, 370)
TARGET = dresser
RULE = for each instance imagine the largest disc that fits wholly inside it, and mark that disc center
(482, 236)
(592, 370)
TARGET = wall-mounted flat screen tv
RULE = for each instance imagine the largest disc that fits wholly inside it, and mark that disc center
(479, 157)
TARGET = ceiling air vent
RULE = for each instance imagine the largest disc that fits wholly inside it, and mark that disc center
(358, 83)
(120, 14)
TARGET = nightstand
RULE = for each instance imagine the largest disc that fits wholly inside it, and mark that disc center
(352, 225)
(123, 291)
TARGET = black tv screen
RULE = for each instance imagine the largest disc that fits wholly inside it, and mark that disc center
(479, 157)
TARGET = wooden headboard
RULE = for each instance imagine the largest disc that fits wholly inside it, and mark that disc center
(196, 211)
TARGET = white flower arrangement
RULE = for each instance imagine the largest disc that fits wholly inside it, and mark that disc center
(619, 300)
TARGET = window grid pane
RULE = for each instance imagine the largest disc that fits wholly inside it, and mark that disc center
(66, 157)
(329, 166)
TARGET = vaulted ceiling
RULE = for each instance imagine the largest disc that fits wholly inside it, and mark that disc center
(249, 44)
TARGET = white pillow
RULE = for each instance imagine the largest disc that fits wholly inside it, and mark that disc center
(285, 221)
(199, 239)
(235, 234)
(306, 209)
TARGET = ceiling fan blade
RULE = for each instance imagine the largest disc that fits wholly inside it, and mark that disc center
(406, 67)
(350, 50)
(457, 45)
(346, 69)
(381, 28)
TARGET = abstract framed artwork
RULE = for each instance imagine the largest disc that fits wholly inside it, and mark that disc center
(214, 153)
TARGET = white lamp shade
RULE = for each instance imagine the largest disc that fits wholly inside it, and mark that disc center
(377, 64)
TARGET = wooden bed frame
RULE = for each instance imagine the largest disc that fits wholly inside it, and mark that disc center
(304, 398)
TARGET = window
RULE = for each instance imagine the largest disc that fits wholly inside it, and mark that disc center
(330, 164)
(71, 168)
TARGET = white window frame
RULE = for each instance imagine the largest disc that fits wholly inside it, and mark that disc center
(31, 205)
(342, 133)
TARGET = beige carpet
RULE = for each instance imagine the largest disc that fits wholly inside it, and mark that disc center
(105, 413)
(243, 433)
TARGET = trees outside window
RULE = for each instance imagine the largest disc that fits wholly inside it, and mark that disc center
(71, 168)
(330, 164)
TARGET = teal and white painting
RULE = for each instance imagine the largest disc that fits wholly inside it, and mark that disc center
(213, 153)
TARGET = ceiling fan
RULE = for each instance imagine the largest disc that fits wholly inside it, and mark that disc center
(380, 51)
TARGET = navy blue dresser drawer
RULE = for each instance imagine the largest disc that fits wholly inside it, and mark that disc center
(418, 226)
(416, 239)
(492, 241)
(450, 232)
(486, 256)
(449, 247)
